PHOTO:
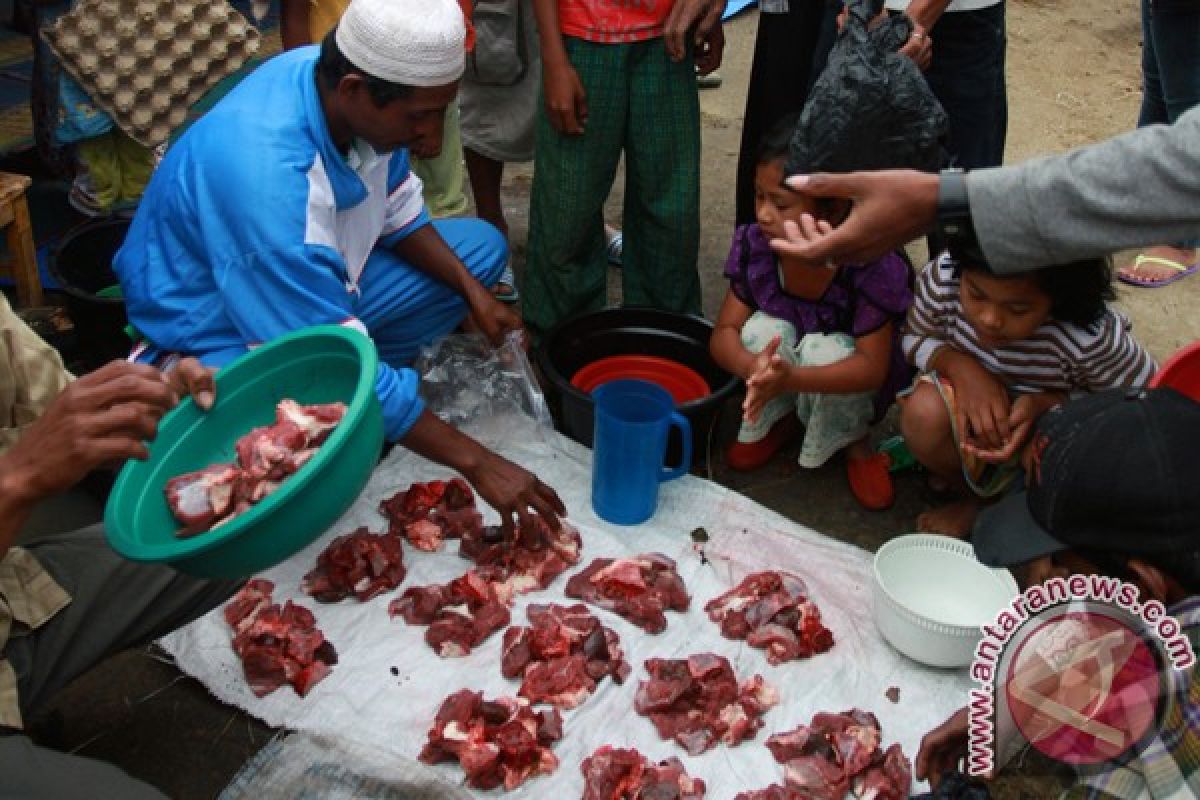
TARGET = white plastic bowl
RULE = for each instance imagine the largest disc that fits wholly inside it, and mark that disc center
(932, 596)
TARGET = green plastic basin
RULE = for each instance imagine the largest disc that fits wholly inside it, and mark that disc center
(323, 364)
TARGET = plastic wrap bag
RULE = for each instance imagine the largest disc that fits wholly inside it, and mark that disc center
(465, 380)
(871, 107)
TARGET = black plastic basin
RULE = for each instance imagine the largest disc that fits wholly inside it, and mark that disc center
(579, 341)
(82, 266)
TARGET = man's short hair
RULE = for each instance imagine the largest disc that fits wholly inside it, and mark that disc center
(332, 66)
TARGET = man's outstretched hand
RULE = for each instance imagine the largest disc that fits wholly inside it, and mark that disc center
(104, 417)
(891, 208)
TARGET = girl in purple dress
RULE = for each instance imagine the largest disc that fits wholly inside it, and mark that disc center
(818, 347)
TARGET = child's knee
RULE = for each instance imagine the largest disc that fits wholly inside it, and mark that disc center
(924, 419)
(760, 329)
(822, 349)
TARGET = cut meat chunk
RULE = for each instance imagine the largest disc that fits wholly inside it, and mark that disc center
(771, 611)
(562, 656)
(697, 701)
(501, 742)
(277, 645)
(839, 751)
(640, 589)
(424, 534)
(361, 563)
(211, 497)
(199, 499)
(618, 774)
(460, 614)
(428, 513)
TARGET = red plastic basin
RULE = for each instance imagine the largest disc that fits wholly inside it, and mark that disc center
(1181, 372)
(682, 382)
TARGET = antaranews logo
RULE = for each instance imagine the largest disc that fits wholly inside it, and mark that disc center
(1080, 662)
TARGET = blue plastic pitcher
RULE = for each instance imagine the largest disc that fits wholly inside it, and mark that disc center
(633, 419)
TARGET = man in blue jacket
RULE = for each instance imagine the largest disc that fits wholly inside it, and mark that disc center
(292, 204)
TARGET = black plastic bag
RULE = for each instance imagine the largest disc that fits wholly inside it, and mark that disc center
(871, 107)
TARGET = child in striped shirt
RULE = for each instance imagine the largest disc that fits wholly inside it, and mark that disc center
(995, 353)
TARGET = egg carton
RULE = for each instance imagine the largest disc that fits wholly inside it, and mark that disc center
(146, 62)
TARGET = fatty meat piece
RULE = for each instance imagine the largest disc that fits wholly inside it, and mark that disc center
(211, 497)
(639, 589)
(530, 562)
(361, 563)
(618, 774)
(697, 701)
(500, 742)
(277, 644)
(771, 611)
(428, 513)
(198, 499)
(562, 655)
(460, 614)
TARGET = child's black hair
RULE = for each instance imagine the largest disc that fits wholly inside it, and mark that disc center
(775, 144)
(1079, 291)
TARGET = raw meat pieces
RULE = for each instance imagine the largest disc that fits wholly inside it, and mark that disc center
(460, 614)
(697, 701)
(837, 754)
(771, 610)
(212, 496)
(562, 655)
(361, 563)
(615, 774)
(638, 588)
(277, 645)
(428, 513)
(529, 562)
(499, 742)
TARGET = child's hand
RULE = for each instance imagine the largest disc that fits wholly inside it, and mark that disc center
(982, 403)
(766, 381)
(1025, 412)
(566, 102)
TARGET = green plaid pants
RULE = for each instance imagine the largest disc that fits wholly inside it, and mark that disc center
(642, 103)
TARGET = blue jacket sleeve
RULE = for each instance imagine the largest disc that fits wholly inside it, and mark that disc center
(406, 202)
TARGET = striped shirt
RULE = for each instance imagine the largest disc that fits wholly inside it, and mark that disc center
(1058, 356)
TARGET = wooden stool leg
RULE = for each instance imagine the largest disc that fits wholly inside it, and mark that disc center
(24, 255)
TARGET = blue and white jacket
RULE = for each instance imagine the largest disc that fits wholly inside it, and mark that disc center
(255, 225)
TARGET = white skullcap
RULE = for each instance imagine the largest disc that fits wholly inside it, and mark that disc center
(412, 42)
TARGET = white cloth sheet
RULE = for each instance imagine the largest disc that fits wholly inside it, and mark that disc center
(362, 701)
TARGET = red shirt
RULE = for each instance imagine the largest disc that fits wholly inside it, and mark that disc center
(613, 21)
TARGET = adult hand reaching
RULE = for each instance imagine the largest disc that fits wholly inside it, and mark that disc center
(515, 491)
(942, 749)
(106, 416)
(494, 319)
(694, 18)
(890, 208)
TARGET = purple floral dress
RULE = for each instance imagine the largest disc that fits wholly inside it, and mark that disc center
(861, 299)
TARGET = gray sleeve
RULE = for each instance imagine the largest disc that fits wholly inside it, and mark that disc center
(1138, 189)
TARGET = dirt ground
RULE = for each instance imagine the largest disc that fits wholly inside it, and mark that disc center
(1073, 78)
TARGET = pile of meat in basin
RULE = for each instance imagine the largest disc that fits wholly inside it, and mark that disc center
(560, 655)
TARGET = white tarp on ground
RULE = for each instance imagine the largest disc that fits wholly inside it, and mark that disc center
(363, 701)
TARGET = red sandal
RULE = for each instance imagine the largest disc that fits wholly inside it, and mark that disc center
(747, 456)
(871, 482)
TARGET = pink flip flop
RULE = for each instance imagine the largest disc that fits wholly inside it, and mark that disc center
(1181, 271)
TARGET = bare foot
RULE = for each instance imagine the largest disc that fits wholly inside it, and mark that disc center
(1149, 271)
(954, 519)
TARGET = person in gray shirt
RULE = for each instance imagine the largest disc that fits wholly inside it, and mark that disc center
(1133, 190)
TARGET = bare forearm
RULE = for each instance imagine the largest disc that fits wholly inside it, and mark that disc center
(437, 441)
(549, 33)
(729, 352)
(926, 13)
(15, 505)
(425, 249)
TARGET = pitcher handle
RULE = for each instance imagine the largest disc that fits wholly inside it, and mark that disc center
(680, 422)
